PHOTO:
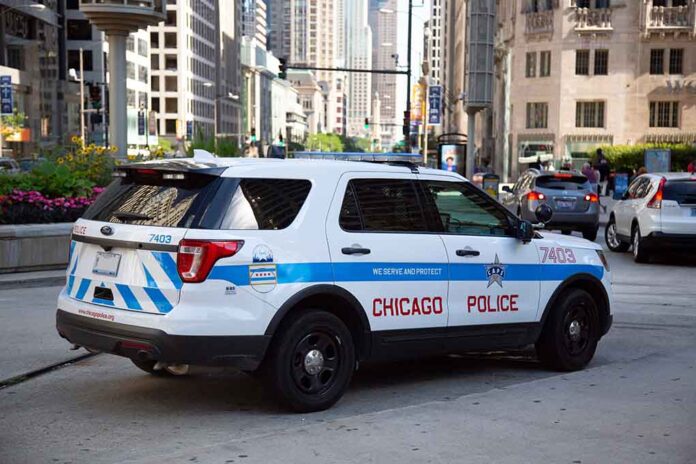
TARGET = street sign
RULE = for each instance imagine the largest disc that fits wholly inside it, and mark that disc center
(6, 103)
(141, 123)
(435, 105)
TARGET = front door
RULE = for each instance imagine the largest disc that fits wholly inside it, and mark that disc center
(382, 253)
(494, 277)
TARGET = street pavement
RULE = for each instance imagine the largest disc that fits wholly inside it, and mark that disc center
(636, 403)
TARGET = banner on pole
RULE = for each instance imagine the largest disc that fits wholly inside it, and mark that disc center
(435, 105)
(6, 95)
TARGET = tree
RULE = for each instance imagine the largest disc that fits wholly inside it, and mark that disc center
(324, 142)
(357, 144)
(9, 124)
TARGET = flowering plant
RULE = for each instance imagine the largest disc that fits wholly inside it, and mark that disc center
(31, 207)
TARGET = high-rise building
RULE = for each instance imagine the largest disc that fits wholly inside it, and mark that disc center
(255, 21)
(304, 34)
(196, 69)
(383, 22)
(434, 45)
(571, 79)
(358, 56)
(32, 56)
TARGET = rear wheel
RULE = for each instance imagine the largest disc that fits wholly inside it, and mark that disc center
(612, 239)
(311, 363)
(640, 254)
(569, 339)
(590, 234)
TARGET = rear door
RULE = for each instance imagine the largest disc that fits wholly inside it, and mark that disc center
(678, 212)
(383, 254)
(123, 251)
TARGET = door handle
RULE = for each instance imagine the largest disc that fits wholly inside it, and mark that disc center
(355, 251)
(468, 252)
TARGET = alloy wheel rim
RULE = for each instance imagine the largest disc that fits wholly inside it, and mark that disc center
(315, 362)
(611, 236)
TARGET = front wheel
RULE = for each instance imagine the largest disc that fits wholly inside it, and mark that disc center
(612, 239)
(311, 363)
(571, 332)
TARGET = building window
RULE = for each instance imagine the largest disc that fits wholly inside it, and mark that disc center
(170, 40)
(657, 61)
(79, 29)
(130, 43)
(589, 114)
(170, 62)
(171, 18)
(154, 39)
(676, 61)
(601, 62)
(72, 4)
(531, 64)
(130, 70)
(130, 98)
(537, 115)
(170, 105)
(664, 114)
(545, 64)
(142, 47)
(142, 74)
(170, 84)
(155, 84)
(74, 60)
(582, 62)
(170, 126)
(154, 61)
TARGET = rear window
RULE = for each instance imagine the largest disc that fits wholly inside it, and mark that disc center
(681, 191)
(563, 182)
(201, 202)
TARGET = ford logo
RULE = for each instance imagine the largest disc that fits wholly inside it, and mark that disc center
(106, 230)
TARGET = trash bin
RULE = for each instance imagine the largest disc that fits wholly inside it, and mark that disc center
(490, 184)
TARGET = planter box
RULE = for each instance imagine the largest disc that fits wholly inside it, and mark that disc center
(34, 247)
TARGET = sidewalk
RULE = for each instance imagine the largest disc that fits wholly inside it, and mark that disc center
(32, 279)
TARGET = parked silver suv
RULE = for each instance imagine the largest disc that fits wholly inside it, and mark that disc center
(574, 203)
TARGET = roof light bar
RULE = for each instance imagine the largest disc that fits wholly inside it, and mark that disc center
(414, 158)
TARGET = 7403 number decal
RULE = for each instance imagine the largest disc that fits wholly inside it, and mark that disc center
(160, 238)
(558, 255)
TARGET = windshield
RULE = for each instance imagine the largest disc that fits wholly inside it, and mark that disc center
(681, 191)
(563, 182)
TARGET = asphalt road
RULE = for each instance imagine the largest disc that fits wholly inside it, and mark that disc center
(635, 403)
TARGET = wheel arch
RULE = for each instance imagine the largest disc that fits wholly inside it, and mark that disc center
(591, 285)
(335, 300)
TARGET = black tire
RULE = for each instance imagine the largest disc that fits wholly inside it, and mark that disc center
(590, 234)
(149, 367)
(613, 242)
(312, 340)
(640, 254)
(571, 332)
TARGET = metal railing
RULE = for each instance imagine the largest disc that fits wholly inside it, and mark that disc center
(539, 22)
(593, 19)
(671, 17)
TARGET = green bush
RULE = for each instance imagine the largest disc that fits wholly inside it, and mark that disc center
(630, 157)
(52, 180)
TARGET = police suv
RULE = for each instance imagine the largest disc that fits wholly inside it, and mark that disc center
(300, 269)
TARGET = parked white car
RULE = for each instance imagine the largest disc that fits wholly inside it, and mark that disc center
(657, 211)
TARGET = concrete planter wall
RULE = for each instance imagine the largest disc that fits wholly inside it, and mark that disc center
(34, 247)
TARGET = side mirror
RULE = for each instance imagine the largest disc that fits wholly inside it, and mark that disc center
(543, 213)
(525, 231)
(506, 188)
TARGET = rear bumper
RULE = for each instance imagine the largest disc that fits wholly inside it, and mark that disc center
(587, 219)
(241, 351)
(663, 240)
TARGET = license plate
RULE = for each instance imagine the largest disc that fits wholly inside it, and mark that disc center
(107, 264)
(565, 204)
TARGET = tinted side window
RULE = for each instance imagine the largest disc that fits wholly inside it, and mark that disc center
(681, 191)
(388, 205)
(643, 188)
(464, 210)
(349, 218)
(264, 204)
(633, 188)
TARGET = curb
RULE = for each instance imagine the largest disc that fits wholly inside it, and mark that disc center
(32, 282)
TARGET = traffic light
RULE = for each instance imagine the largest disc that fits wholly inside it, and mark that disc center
(283, 74)
(407, 123)
(253, 135)
(367, 123)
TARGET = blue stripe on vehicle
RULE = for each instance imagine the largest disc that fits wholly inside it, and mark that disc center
(102, 301)
(72, 250)
(71, 282)
(163, 305)
(128, 297)
(148, 277)
(399, 272)
(82, 289)
(169, 266)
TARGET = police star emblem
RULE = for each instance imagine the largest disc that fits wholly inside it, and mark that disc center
(495, 272)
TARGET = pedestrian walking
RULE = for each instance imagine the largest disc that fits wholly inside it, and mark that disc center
(591, 175)
(603, 177)
(691, 169)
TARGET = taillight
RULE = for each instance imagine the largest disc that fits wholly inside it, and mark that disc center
(196, 258)
(656, 200)
(535, 196)
(592, 198)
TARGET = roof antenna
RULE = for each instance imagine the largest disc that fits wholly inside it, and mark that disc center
(202, 155)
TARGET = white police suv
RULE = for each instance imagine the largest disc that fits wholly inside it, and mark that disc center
(300, 269)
